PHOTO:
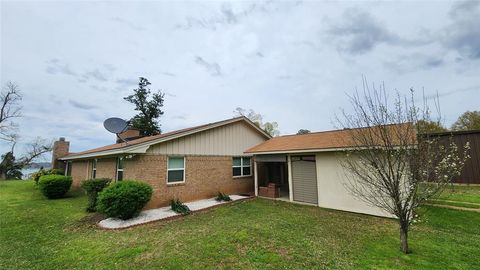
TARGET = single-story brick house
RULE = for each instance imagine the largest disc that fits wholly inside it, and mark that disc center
(232, 156)
(189, 164)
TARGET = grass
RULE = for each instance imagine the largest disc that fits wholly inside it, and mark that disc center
(459, 196)
(36, 233)
(469, 194)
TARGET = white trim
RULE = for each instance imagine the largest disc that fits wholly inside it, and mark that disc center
(117, 169)
(66, 168)
(290, 179)
(141, 148)
(255, 179)
(177, 169)
(94, 168)
(301, 151)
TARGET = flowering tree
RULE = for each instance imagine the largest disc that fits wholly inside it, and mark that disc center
(393, 164)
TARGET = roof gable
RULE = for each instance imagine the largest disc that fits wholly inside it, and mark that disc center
(142, 144)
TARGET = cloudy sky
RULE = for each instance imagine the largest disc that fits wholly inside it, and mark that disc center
(294, 62)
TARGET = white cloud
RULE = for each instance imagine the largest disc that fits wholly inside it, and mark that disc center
(75, 65)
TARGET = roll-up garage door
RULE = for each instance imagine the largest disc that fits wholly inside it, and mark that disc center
(304, 179)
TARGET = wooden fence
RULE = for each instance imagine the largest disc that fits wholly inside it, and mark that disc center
(471, 171)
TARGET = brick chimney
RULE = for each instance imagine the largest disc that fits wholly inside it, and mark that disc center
(128, 135)
(60, 149)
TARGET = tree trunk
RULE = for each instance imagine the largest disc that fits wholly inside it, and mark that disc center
(404, 238)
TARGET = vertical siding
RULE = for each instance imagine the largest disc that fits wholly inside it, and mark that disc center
(471, 171)
(230, 140)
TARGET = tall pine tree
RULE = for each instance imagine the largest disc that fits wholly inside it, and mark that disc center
(149, 109)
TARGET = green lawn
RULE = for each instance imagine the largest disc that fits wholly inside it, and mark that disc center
(39, 234)
(462, 194)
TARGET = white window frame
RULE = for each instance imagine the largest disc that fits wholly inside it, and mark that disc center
(242, 166)
(94, 168)
(177, 169)
(119, 170)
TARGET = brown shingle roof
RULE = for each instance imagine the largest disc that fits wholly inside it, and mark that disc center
(155, 137)
(333, 139)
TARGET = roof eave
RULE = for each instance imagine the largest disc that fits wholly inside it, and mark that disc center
(316, 150)
(113, 152)
(141, 148)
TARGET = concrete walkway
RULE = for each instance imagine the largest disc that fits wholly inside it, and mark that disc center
(151, 215)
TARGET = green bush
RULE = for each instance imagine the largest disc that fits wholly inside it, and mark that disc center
(179, 207)
(36, 175)
(223, 197)
(54, 186)
(93, 187)
(124, 199)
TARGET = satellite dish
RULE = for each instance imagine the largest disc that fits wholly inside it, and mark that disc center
(115, 125)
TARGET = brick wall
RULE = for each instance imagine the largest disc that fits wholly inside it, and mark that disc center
(106, 168)
(79, 172)
(205, 176)
(60, 149)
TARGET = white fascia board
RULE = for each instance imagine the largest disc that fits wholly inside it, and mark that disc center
(313, 150)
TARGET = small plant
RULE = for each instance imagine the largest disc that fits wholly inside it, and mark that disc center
(54, 186)
(179, 207)
(93, 187)
(124, 199)
(36, 175)
(222, 197)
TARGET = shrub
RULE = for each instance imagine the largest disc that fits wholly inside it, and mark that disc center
(179, 207)
(93, 187)
(54, 186)
(36, 175)
(124, 199)
(223, 197)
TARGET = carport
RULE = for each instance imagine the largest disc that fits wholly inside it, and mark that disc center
(286, 177)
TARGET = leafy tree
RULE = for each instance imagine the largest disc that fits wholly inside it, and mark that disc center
(467, 121)
(427, 126)
(269, 127)
(387, 166)
(9, 168)
(303, 131)
(146, 121)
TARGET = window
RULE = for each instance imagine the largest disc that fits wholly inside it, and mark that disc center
(303, 158)
(94, 168)
(68, 168)
(119, 169)
(242, 166)
(176, 170)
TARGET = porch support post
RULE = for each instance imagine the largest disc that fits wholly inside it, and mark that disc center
(255, 177)
(290, 184)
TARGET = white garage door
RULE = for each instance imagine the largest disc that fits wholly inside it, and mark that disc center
(304, 179)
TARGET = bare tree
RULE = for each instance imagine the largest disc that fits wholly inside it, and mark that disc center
(10, 108)
(34, 150)
(387, 166)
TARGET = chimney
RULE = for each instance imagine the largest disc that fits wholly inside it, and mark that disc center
(128, 135)
(60, 149)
